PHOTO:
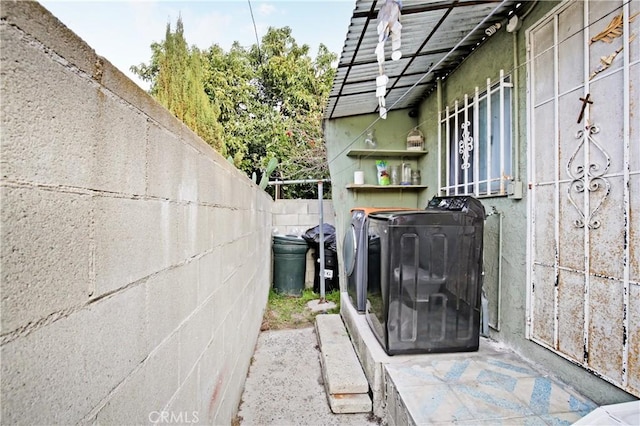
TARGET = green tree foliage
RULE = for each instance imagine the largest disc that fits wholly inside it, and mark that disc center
(177, 75)
(295, 89)
(267, 100)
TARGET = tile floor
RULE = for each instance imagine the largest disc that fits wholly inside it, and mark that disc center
(491, 388)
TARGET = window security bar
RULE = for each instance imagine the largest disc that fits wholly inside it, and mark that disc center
(475, 135)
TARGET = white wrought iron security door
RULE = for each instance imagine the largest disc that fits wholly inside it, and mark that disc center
(584, 198)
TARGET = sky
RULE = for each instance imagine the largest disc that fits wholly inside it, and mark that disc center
(122, 30)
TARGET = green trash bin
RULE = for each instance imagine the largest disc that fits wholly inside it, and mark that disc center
(289, 264)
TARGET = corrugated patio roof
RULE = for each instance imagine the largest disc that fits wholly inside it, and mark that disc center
(436, 37)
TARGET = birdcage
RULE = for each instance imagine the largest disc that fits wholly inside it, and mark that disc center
(415, 140)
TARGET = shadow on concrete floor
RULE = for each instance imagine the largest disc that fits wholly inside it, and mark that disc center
(284, 385)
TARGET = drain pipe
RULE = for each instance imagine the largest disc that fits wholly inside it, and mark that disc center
(322, 296)
(516, 102)
(496, 325)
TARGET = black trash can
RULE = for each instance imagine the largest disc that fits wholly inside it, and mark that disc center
(331, 280)
(289, 264)
(331, 271)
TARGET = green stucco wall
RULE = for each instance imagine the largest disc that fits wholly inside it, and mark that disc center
(344, 134)
(486, 62)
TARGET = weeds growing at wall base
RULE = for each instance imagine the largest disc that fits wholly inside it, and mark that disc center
(285, 311)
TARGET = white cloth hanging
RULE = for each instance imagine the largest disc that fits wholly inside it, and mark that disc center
(388, 24)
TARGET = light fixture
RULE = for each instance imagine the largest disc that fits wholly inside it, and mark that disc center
(492, 29)
(514, 24)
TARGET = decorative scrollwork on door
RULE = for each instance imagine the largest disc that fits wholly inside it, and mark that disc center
(590, 178)
(465, 145)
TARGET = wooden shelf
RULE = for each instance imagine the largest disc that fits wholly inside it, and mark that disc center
(384, 153)
(367, 187)
(371, 154)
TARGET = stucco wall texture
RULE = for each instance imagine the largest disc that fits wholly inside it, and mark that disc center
(487, 61)
(134, 258)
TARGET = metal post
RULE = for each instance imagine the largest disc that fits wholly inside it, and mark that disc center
(322, 296)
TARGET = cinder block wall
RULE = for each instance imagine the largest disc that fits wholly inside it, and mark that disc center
(295, 217)
(134, 259)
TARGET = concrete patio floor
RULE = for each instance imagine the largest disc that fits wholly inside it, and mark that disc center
(490, 387)
(486, 389)
(285, 386)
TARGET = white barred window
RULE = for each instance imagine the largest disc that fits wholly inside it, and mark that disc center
(476, 138)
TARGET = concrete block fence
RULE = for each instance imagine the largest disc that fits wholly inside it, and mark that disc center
(135, 260)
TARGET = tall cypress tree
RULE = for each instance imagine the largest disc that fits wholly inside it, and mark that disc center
(262, 102)
(178, 82)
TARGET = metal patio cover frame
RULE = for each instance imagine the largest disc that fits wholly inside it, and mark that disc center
(436, 37)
